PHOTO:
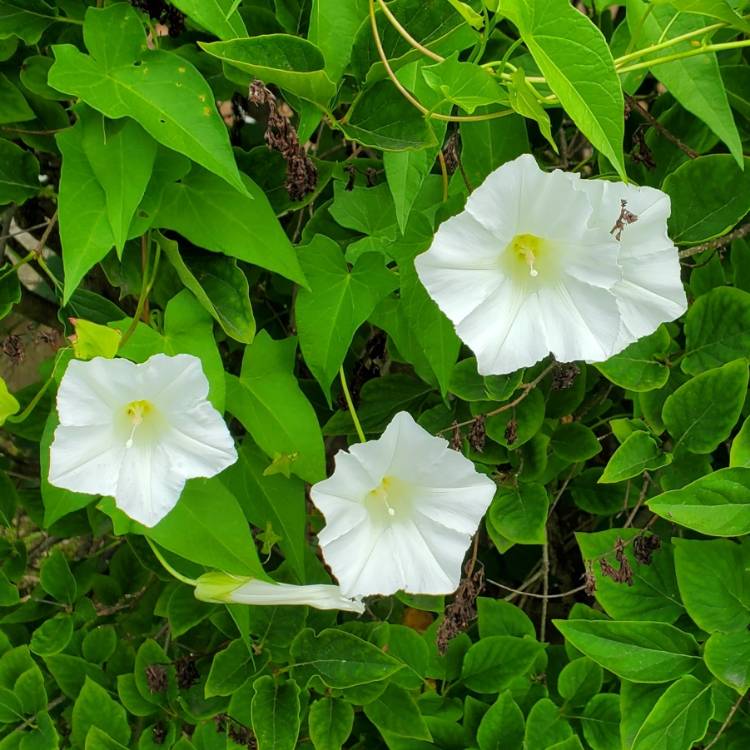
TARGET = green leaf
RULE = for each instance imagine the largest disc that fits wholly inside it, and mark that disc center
(717, 329)
(52, 636)
(395, 712)
(637, 651)
(160, 90)
(56, 578)
(679, 719)
(714, 585)
(519, 513)
(13, 105)
(184, 612)
(277, 500)
(545, 727)
(575, 442)
(267, 400)
(469, 385)
(639, 452)
(465, 84)
(293, 64)
(709, 195)
(492, 663)
(579, 681)
(333, 26)
(220, 17)
(94, 707)
(381, 118)
(739, 453)
(99, 644)
(121, 156)
(19, 171)
(527, 416)
(219, 285)
(727, 655)
(718, 9)
(497, 617)
(601, 722)
(502, 725)
(339, 659)
(717, 504)
(10, 295)
(26, 19)
(407, 646)
(525, 101)
(338, 302)
(8, 403)
(229, 669)
(149, 655)
(85, 231)
(215, 216)
(694, 81)
(275, 713)
(638, 366)
(93, 340)
(701, 413)
(330, 721)
(578, 66)
(70, 673)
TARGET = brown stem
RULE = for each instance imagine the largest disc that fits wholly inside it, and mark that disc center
(671, 137)
(726, 723)
(715, 244)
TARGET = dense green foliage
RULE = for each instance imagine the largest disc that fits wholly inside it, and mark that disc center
(614, 559)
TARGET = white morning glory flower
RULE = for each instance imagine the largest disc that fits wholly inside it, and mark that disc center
(223, 588)
(137, 432)
(400, 512)
(541, 263)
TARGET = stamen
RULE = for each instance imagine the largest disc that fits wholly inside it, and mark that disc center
(136, 411)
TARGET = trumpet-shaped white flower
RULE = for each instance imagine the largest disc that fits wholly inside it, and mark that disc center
(137, 432)
(400, 512)
(541, 263)
(223, 588)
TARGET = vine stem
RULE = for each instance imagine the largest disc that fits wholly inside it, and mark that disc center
(715, 244)
(545, 591)
(702, 50)
(727, 721)
(146, 285)
(408, 95)
(636, 106)
(406, 35)
(168, 567)
(350, 405)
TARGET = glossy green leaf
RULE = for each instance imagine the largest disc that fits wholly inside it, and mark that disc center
(293, 64)
(714, 585)
(727, 655)
(639, 367)
(229, 669)
(545, 727)
(637, 651)
(586, 84)
(333, 26)
(524, 100)
(464, 84)
(25, 18)
(215, 216)
(694, 81)
(19, 171)
(220, 17)
(8, 403)
(338, 302)
(13, 105)
(502, 725)
(330, 721)
(57, 579)
(519, 513)
(709, 196)
(163, 92)
(679, 719)
(639, 452)
(395, 712)
(701, 413)
(94, 707)
(492, 663)
(267, 400)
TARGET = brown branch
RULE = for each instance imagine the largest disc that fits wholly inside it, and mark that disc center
(715, 244)
(634, 104)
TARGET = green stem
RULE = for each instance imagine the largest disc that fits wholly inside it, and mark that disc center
(16, 418)
(689, 53)
(350, 405)
(667, 43)
(8, 271)
(168, 567)
(146, 285)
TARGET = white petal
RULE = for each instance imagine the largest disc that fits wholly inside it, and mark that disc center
(581, 322)
(319, 596)
(198, 442)
(90, 392)
(86, 459)
(147, 488)
(462, 267)
(506, 331)
(519, 198)
(173, 382)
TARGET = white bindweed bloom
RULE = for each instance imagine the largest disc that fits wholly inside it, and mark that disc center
(400, 512)
(137, 432)
(222, 588)
(541, 263)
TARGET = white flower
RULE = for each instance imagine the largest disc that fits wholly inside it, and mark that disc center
(400, 512)
(223, 588)
(137, 432)
(534, 265)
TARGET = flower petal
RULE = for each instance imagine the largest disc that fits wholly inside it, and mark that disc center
(198, 442)
(174, 383)
(86, 459)
(147, 488)
(90, 392)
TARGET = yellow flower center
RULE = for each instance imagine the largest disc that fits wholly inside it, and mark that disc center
(527, 249)
(136, 412)
(389, 499)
